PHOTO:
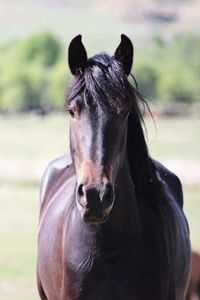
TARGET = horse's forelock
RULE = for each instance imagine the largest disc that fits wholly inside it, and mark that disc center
(104, 81)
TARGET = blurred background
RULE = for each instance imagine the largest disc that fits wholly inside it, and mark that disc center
(34, 36)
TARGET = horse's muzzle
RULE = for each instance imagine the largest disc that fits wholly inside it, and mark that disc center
(95, 203)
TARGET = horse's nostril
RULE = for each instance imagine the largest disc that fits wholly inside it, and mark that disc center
(80, 190)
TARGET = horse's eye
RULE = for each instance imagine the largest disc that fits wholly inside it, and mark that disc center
(71, 113)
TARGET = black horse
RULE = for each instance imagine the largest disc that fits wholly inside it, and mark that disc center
(111, 220)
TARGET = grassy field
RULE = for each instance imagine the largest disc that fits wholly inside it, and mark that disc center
(27, 144)
(18, 230)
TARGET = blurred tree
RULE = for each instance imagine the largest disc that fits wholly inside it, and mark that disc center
(22, 88)
(59, 80)
(146, 75)
(27, 67)
(43, 48)
(178, 84)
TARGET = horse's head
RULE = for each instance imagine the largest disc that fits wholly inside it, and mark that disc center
(98, 105)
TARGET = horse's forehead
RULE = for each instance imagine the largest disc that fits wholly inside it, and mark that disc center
(95, 105)
(103, 114)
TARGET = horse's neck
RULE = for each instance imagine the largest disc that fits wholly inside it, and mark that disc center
(126, 200)
(123, 220)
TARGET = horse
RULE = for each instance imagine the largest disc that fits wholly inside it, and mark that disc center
(193, 292)
(111, 222)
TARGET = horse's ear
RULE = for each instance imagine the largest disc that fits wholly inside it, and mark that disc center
(124, 54)
(77, 56)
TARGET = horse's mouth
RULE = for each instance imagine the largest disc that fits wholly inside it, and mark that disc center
(92, 219)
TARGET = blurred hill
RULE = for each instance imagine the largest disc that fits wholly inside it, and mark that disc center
(101, 21)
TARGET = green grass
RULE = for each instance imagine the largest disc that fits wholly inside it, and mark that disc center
(33, 136)
(192, 211)
(174, 138)
(27, 144)
(18, 231)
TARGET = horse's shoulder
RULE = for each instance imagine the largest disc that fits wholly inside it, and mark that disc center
(171, 180)
(57, 172)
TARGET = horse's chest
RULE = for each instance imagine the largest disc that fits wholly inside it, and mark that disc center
(107, 284)
(112, 279)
